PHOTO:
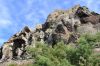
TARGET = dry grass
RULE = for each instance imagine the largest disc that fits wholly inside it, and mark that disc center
(17, 63)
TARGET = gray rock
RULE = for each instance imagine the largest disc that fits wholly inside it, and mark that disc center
(61, 25)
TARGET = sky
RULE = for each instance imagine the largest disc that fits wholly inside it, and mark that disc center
(15, 14)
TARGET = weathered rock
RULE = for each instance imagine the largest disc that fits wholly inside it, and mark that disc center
(38, 27)
(20, 41)
(97, 27)
(83, 12)
(7, 51)
(92, 19)
(73, 38)
(61, 25)
(86, 28)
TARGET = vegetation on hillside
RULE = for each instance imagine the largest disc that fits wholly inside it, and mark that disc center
(78, 54)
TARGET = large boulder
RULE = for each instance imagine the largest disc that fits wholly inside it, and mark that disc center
(20, 40)
(92, 19)
(86, 28)
(97, 27)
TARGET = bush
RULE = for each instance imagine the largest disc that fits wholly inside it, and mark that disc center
(48, 56)
(79, 54)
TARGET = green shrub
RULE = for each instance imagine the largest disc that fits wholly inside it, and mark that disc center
(78, 54)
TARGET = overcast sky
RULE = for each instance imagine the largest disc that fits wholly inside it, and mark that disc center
(15, 14)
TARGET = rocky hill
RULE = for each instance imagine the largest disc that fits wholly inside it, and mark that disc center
(61, 25)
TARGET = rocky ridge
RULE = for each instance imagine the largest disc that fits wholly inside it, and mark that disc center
(61, 25)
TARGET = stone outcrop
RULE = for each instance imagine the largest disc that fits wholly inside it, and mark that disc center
(61, 25)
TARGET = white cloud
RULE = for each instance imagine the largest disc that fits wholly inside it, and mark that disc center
(5, 18)
(5, 23)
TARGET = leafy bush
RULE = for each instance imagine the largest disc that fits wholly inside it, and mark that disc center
(45, 55)
(79, 54)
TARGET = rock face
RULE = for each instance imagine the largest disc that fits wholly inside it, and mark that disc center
(61, 25)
